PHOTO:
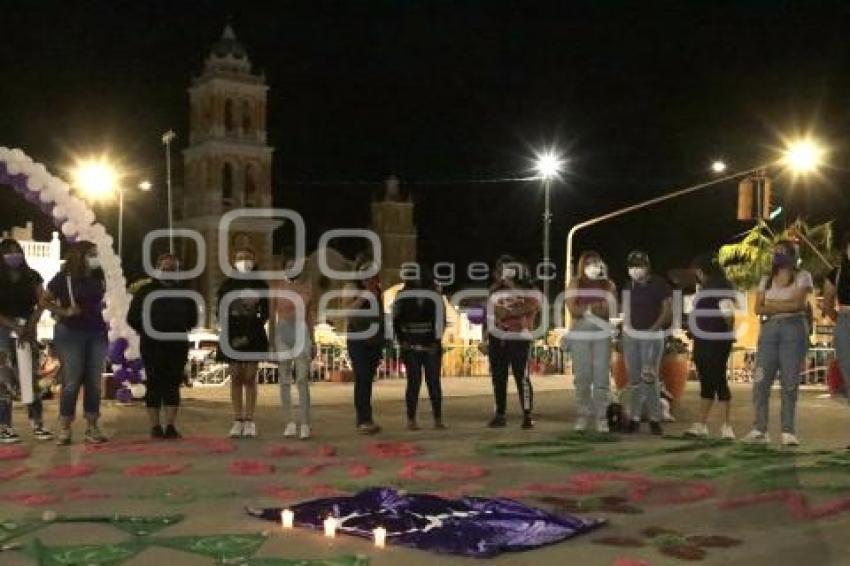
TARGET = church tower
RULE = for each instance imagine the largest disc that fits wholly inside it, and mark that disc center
(392, 221)
(228, 162)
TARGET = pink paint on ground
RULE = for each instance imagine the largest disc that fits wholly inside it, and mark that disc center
(394, 450)
(83, 494)
(155, 469)
(326, 451)
(68, 472)
(12, 473)
(31, 498)
(13, 453)
(629, 561)
(429, 471)
(796, 501)
(250, 468)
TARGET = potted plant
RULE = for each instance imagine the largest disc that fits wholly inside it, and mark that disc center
(675, 366)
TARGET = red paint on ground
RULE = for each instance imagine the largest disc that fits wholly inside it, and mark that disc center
(155, 469)
(394, 450)
(13, 453)
(281, 451)
(440, 471)
(250, 468)
(68, 472)
(796, 501)
(629, 561)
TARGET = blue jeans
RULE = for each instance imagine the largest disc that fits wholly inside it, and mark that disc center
(36, 408)
(643, 364)
(590, 353)
(781, 349)
(841, 339)
(83, 354)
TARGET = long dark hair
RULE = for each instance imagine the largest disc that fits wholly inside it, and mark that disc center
(75, 259)
(11, 246)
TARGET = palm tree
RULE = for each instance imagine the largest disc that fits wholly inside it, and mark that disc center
(746, 261)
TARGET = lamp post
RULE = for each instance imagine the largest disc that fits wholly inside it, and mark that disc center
(800, 157)
(144, 186)
(167, 138)
(548, 166)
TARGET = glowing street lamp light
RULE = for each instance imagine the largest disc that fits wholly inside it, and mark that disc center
(145, 186)
(718, 166)
(548, 165)
(803, 156)
(96, 178)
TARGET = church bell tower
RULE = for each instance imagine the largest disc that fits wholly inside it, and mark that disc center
(228, 162)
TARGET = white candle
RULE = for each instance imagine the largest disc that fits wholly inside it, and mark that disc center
(380, 537)
(330, 527)
(287, 518)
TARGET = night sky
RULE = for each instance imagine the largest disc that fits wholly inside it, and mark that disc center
(641, 96)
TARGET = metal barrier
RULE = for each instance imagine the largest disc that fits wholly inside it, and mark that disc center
(742, 365)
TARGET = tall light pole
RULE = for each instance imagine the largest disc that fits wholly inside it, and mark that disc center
(548, 166)
(167, 138)
(800, 157)
(143, 186)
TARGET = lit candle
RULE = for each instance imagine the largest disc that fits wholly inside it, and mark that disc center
(287, 518)
(380, 537)
(330, 527)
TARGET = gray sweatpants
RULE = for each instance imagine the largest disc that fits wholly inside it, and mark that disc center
(781, 350)
(589, 344)
(299, 361)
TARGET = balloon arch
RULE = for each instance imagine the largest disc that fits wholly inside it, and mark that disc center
(76, 220)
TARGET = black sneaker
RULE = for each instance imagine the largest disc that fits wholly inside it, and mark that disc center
(498, 421)
(655, 428)
(171, 433)
(527, 422)
(632, 427)
(157, 433)
(9, 436)
(41, 433)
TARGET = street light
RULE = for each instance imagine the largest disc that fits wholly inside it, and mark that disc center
(800, 157)
(96, 178)
(145, 186)
(718, 166)
(548, 166)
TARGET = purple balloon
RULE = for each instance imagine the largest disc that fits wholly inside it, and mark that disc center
(32, 197)
(135, 364)
(124, 395)
(116, 351)
(121, 375)
(134, 376)
(476, 315)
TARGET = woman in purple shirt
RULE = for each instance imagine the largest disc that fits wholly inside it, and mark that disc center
(76, 294)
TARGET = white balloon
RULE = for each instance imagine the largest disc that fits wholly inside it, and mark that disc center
(69, 229)
(36, 183)
(138, 390)
(13, 167)
(47, 195)
(59, 213)
(88, 217)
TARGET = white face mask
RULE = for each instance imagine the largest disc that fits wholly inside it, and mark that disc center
(93, 262)
(593, 271)
(637, 273)
(244, 265)
(508, 273)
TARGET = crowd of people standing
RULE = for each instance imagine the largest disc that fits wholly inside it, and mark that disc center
(248, 306)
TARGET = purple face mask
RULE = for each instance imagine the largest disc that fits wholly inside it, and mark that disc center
(782, 260)
(13, 260)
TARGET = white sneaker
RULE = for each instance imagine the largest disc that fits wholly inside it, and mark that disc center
(305, 432)
(602, 425)
(727, 432)
(581, 424)
(290, 430)
(757, 437)
(236, 429)
(249, 429)
(698, 430)
(789, 439)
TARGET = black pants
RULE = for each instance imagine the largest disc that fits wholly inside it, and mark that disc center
(365, 357)
(711, 358)
(429, 361)
(165, 365)
(513, 354)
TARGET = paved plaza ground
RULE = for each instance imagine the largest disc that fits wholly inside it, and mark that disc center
(762, 506)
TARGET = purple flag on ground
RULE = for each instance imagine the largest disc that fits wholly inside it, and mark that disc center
(471, 526)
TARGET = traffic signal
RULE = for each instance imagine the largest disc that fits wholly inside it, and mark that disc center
(745, 199)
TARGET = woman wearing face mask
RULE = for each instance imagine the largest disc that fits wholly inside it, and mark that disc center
(836, 306)
(243, 324)
(648, 309)
(782, 300)
(76, 297)
(418, 322)
(21, 294)
(514, 309)
(589, 301)
(711, 323)
(164, 359)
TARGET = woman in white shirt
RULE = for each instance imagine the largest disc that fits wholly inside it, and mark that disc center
(783, 340)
